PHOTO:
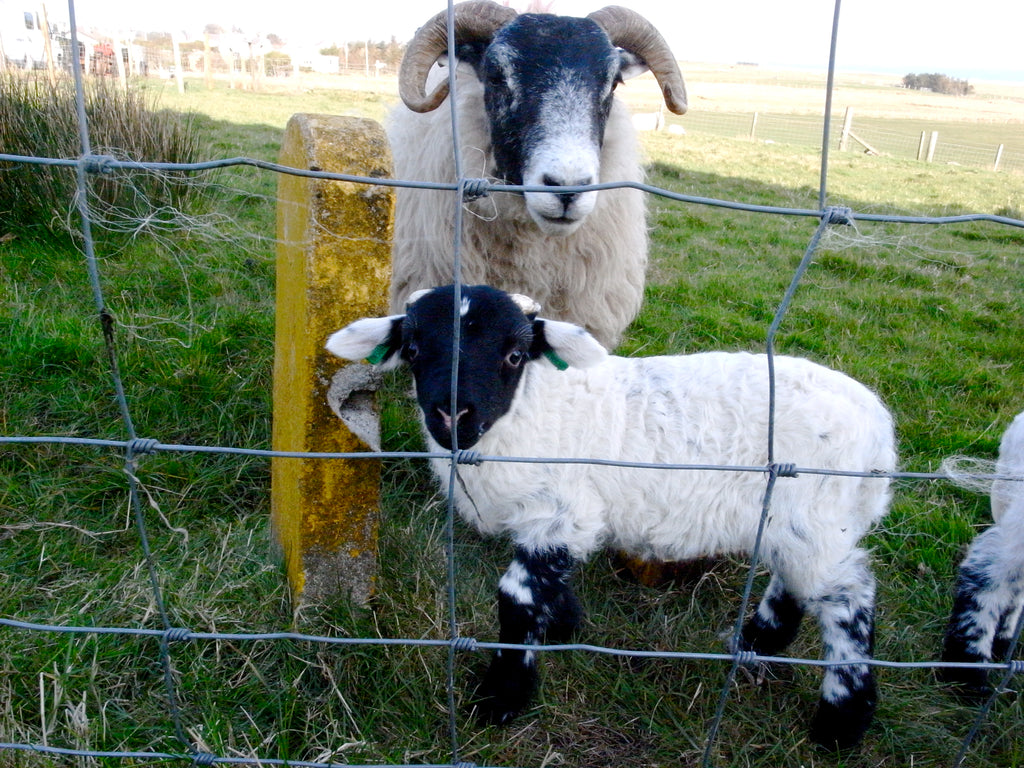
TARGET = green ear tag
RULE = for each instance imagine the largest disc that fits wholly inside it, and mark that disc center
(556, 361)
(378, 354)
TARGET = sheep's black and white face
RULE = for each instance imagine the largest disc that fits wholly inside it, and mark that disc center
(548, 88)
(496, 341)
(498, 336)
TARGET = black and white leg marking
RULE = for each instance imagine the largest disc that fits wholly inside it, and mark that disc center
(775, 623)
(986, 604)
(535, 604)
(846, 614)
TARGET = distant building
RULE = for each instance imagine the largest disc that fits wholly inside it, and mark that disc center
(22, 37)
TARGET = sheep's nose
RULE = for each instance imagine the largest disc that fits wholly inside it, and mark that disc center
(447, 420)
(566, 198)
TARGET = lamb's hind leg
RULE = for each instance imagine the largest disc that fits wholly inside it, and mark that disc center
(535, 603)
(845, 609)
(775, 623)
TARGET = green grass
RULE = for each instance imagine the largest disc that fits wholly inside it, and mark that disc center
(929, 316)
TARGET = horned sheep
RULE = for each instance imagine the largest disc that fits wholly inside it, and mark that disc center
(535, 106)
(989, 592)
(512, 400)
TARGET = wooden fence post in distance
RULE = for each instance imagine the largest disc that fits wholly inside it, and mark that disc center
(333, 266)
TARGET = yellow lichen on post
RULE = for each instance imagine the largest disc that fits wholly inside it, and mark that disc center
(333, 266)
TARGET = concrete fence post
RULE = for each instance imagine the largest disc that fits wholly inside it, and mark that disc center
(179, 69)
(333, 266)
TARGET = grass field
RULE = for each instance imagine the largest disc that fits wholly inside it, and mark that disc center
(932, 317)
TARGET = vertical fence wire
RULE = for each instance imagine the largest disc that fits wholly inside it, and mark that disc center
(826, 128)
(828, 219)
(136, 447)
(107, 325)
(453, 622)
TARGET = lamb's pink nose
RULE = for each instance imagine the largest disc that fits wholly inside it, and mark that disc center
(447, 420)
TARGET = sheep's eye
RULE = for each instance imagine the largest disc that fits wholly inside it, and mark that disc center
(411, 351)
(515, 358)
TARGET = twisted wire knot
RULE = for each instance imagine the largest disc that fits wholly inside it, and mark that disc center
(473, 189)
(745, 658)
(98, 163)
(177, 633)
(1016, 666)
(203, 758)
(837, 214)
(469, 457)
(464, 643)
(142, 445)
(784, 469)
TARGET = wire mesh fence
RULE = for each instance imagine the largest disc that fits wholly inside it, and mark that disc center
(171, 638)
(805, 131)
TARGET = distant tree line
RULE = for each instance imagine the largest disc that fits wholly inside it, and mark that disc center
(938, 83)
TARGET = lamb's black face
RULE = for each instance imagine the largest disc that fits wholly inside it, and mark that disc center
(495, 344)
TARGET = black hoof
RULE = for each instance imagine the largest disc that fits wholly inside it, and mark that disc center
(840, 727)
(970, 686)
(505, 692)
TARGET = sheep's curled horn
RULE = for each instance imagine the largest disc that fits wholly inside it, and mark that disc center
(478, 21)
(473, 22)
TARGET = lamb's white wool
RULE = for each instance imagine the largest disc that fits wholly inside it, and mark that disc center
(1008, 494)
(989, 595)
(709, 408)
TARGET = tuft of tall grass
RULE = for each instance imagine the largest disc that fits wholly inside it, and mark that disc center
(38, 119)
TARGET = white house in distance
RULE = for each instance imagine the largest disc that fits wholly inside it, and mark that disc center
(22, 37)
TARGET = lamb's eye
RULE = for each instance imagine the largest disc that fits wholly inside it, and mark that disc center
(411, 351)
(515, 358)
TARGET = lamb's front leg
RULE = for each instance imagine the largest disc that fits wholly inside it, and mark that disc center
(987, 602)
(535, 605)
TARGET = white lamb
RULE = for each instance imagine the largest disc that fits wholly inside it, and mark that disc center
(989, 592)
(536, 106)
(704, 409)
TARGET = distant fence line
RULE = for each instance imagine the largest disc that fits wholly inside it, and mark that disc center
(255, 66)
(806, 131)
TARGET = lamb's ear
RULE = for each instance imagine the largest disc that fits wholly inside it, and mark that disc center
(565, 345)
(374, 339)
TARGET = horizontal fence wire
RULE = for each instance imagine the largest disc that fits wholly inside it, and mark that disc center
(170, 636)
(486, 186)
(473, 457)
(471, 644)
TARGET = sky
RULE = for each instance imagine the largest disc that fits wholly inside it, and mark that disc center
(979, 40)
